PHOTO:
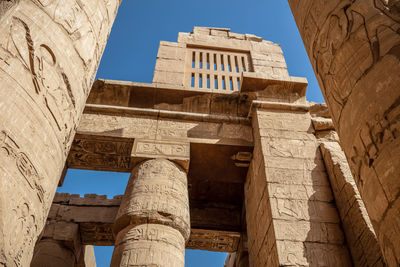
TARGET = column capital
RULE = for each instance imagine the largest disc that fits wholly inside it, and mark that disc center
(176, 151)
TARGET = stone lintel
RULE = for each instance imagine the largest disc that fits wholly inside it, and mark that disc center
(259, 104)
(215, 227)
(166, 100)
(190, 116)
(222, 241)
(178, 152)
(255, 82)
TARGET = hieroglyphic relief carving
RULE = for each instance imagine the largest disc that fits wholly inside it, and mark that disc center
(215, 241)
(153, 218)
(351, 22)
(161, 148)
(354, 48)
(49, 80)
(103, 154)
(73, 17)
(22, 219)
(23, 163)
(373, 136)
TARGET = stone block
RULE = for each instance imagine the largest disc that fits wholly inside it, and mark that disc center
(286, 134)
(169, 65)
(168, 77)
(301, 192)
(282, 120)
(322, 124)
(201, 30)
(238, 36)
(316, 211)
(252, 37)
(280, 72)
(178, 152)
(276, 147)
(219, 33)
(306, 231)
(172, 51)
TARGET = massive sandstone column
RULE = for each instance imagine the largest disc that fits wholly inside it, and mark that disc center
(51, 252)
(49, 54)
(354, 47)
(153, 223)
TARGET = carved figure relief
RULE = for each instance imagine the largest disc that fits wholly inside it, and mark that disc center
(49, 81)
(373, 136)
(99, 153)
(350, 26)
(23, 164)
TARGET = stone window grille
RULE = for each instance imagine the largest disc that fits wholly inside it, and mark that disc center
(212, 69)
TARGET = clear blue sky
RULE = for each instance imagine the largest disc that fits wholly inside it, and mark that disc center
(131, 53)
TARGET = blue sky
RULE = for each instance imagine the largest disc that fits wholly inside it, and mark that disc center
(131, 53)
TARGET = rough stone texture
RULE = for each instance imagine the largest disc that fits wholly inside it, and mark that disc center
(149, 245)
(61, 245)
(6, 5)
(288, 192)
(153, 221)
(360, 235)
(87, 258)
(52, 253)
(354, 47)
(49, 53)
(240, 258)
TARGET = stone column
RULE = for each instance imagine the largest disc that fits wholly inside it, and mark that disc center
(354, 47)
(153, 222)
(49, 54)
(50, 252)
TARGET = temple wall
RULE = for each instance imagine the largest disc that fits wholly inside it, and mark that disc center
(291, 216)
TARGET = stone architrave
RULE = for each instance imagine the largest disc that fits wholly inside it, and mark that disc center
(354, 47)
(153, 221)
(49, 54)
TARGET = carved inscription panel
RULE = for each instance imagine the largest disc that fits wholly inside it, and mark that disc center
(154, 149)
(100, 153)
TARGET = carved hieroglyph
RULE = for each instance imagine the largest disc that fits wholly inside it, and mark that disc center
(153, 220)
(49, 53)
(354, 47)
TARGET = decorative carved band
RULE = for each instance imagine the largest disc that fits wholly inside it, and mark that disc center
(178, 152)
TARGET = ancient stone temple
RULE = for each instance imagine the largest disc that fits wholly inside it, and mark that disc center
(225, 154)
(223, 149)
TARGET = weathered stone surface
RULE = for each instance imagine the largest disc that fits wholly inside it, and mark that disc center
(360, 235)
(153, 221)
(87, 258)
(156, 192)
(49, 54)
(354, 49)
(178, 152)
(52, 253)
(149, 245)
(288, 192)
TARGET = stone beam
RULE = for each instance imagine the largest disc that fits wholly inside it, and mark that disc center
(127, 122)
(215, 226)
(49, 54)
